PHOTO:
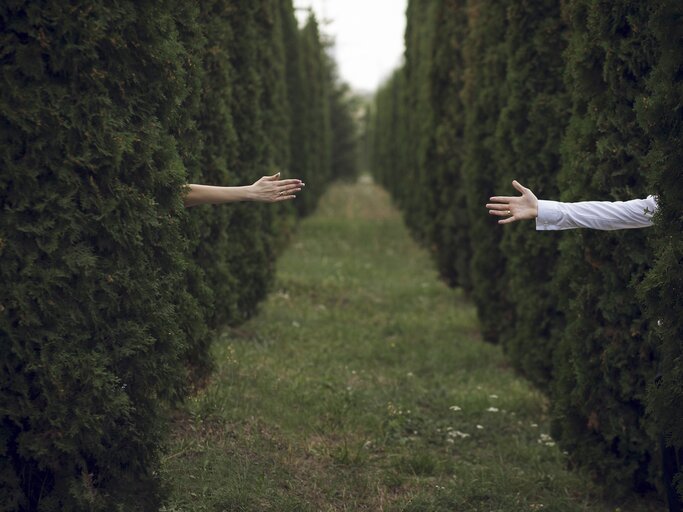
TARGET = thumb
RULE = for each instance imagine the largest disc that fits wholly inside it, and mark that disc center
(274, 177)
(518, 187)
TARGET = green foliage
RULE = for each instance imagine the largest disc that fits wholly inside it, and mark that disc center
(581, 104)
(483, 92)
(111, 290)
(449, 236)
(344, 105)
(416, 191)
(93, 257)
(660, 113)
(605, 359)
(315, 116)
(528, 136)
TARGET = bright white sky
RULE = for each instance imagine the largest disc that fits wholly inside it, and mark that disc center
(368, 35)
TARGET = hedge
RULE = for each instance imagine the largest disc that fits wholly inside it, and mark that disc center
(579, 102)
(660, 113)
(93, 256)
(528, 135)
(606, 358)
(112, 291)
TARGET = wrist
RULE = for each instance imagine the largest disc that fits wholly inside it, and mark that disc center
(248, 193)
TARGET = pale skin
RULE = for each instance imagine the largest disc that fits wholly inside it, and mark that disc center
(269, 189)
(514, 208)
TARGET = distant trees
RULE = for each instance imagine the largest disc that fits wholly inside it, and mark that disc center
(578, 103)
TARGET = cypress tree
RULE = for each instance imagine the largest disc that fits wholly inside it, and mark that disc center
(529, 131)
(274, 15)
(299, 144)
(660, 114)
(316, 109)
(345, 137)
(449, 233)
(605, 359)
(483, 93)
(418, 181)
(251, 255)
(92, 252)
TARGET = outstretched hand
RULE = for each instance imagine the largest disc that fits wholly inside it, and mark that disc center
(270, 189)
(523, 207)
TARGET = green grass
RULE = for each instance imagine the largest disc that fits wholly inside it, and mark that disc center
(362, 385)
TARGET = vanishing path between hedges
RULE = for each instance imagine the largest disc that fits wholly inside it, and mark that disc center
(362, 385)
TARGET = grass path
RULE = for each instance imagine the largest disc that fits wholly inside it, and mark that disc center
(362, 385)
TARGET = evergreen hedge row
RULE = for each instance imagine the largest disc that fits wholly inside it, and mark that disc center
(112, 291)
(577, 100)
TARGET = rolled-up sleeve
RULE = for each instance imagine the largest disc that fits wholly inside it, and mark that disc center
(602, 215)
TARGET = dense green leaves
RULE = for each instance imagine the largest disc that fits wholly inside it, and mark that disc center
(607, 339)
(93, 255)
(660, 112)
(110, 289)
(577, 103)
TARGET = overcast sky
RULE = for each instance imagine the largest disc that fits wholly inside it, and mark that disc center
(368, 35)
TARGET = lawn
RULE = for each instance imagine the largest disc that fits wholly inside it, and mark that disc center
(363, 385)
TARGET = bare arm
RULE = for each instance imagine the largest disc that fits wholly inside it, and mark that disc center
(269, 189)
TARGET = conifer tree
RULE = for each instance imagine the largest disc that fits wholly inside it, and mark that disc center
(605, 360)
(299, 144)
(418, 181)
(92, 252)
(483, 93)
(316, 109)
(345, 133)
(528, 136)
(449, 231)
(251, 255)
(660, 114)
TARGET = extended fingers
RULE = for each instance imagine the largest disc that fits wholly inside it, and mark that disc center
(498, 206)
(288, 189)
(284, 198)
(284, 183)
(502, 199)
(509, 220)
(518, 186)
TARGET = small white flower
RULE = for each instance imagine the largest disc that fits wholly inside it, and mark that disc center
(480, 427)
(455, 408)
(534, 425)
(493, 396)
(492, 409)
(457, 433)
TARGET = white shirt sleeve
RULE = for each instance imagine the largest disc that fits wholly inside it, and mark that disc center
(603, 215)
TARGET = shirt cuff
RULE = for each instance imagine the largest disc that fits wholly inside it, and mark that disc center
(549, 215)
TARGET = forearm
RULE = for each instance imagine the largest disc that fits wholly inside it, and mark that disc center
(602, 215)
(206, 194)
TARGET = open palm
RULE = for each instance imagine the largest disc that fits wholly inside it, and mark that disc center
(522, 207)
